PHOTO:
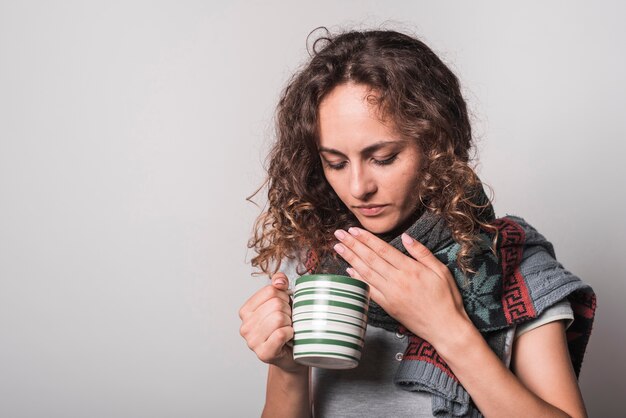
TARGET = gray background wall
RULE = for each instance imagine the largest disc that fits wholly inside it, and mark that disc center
(131, 132)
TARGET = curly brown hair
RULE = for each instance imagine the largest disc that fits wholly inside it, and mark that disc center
(418, 93)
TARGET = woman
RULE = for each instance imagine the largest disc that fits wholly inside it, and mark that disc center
(370, 176)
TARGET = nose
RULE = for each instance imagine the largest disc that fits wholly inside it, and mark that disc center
(362, 183)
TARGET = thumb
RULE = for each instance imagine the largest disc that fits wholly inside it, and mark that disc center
(280, 281)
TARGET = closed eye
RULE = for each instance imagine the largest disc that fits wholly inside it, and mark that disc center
(336, 166)
(386, 161)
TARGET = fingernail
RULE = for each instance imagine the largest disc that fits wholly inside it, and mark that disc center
(350, 271)
(354, 231)
(340, 234)
(407, 240)
(339, 248)
(280, 282)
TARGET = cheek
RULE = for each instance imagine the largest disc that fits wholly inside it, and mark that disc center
(407, 186)
(336, 184)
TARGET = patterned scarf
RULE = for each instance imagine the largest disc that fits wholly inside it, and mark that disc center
(509, 288)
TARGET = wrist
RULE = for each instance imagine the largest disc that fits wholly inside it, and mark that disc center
(287, 393)
(457, 338)
(292, 370)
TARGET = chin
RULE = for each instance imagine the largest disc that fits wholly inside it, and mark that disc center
(377, 226)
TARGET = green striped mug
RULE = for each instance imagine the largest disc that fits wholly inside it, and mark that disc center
(329, 316)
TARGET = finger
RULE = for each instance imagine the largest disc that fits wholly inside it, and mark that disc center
(280, 336)
(270, 306)
(383, 249)
(375, 294)
(365, 253)
(423, 255)
(272, 348)
(264, 329)
(367, 274)
(280, 281)
(427, 259)
(271, 315)
(260, 297)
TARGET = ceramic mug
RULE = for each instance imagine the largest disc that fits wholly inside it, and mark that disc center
(329, 315)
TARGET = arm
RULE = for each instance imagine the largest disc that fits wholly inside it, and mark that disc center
(287, 393)
(542, 382)
(266, 327)
(550, 376)
(421, 294)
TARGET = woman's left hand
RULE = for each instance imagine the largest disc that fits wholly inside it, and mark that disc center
(418, 291)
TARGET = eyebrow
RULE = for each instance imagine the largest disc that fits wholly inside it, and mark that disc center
(365, 151)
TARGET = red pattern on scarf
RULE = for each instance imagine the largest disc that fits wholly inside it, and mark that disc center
(515, 295)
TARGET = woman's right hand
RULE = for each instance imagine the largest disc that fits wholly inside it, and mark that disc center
(266, 324)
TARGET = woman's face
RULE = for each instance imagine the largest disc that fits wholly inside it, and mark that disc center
(373, 170)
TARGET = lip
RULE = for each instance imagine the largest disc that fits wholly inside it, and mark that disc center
(370, 210)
